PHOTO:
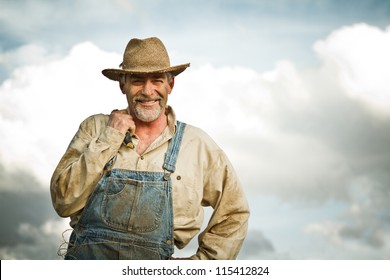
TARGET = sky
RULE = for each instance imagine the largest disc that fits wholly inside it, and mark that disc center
(297, 94)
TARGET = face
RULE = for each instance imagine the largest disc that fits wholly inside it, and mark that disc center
(147, 95)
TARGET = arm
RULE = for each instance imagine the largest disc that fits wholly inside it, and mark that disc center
(223, 237)
(82, 165)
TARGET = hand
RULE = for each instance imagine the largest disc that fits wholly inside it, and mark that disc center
(121, 121)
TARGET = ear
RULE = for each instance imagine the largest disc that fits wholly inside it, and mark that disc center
(171, 83)
(122, 87)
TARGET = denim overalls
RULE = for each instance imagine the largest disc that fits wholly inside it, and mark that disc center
(129, 215)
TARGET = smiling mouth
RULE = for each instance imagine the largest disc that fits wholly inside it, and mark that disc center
(148, 102)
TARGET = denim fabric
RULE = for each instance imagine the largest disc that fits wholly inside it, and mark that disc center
(129, 215)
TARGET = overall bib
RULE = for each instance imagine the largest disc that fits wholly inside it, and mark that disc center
(129, 215)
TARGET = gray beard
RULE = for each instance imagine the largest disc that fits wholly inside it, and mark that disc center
(146, 115)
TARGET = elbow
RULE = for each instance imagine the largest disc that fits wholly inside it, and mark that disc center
(60, 207)
(60, 204)
(63, 209)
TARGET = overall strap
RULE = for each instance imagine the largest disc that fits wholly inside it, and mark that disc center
(173, 148)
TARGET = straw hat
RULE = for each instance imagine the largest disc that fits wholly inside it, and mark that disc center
(144, 57)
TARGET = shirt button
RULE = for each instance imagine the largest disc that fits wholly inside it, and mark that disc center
(142, 157)
(178, 177)
(169, 242)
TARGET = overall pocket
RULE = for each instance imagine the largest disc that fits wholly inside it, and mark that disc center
(130, 205)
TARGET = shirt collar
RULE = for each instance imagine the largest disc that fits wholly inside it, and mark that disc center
(172, 122)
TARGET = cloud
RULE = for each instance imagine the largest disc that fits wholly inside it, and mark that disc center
(31, 230)
(18, 180)
(239, 31)
(360, 53)
(306, 136)
(365, 221)
(41, 105)
(29, 54)
(300, 123)
(310, 135)
(35, 243)
(256, 246)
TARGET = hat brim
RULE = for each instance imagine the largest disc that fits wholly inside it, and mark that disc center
(115, 74)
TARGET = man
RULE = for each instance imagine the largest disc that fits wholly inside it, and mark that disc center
(134, 183)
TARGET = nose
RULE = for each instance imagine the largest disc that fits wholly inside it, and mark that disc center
(148, 87)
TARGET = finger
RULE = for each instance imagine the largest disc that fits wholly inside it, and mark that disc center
(123, 111)
(116, 111)
(132, 129)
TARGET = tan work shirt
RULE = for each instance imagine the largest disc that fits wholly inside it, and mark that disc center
(203, 177)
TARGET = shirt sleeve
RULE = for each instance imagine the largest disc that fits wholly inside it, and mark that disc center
(81, 167)
(223, 237)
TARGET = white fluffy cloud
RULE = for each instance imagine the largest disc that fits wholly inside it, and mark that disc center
(41, 105)
(311, 135)
(362, 55)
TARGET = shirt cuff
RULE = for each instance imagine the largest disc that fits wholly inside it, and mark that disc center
(112, 137)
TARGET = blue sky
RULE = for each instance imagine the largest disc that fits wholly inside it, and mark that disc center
(295, 92)
(248, 32)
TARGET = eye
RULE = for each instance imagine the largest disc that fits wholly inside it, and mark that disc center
(136, 82)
